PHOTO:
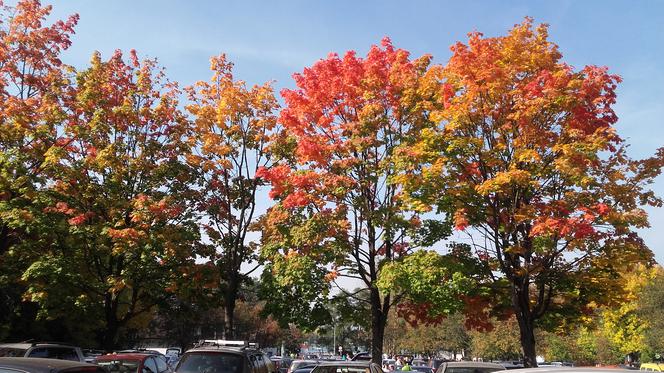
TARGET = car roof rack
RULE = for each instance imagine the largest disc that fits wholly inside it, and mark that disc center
(227, 343)
(34, 342)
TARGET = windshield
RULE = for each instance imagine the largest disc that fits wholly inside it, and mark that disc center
(12, 352)
(120, 366)
(210, 363)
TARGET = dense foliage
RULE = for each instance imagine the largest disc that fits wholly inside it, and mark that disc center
(128, 203)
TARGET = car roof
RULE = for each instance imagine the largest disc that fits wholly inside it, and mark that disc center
(34, 364)
(222, 349)
(472, 364)
(26, 345)
(346, 363)
(559, 369)
(126, 356)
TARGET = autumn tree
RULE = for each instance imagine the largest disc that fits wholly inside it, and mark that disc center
(501, 343)
(526, 158)
(33, 82)
(335, 201)
(449, 335)
(650, 301)
(229, 142)
(118, 199)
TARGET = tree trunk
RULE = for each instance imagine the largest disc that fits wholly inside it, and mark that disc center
(524, 316)
(378, 322)
(110, 333)
(229, 307)
(229, 316)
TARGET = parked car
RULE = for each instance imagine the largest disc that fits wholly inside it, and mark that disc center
(468, 367)
(423, 369)
(172, 354)
(41, 365)
(559, 369)
(510, 364)
(47, 350)
(282, 364)
(90, 355)
(302, 364)
(155, 352)
(347, 367)
(435, 363)
(132, 362)
(362, 356)
(224, 357)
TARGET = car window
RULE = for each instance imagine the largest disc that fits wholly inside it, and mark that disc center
(120, 366)
(161, 364)
(210, 363)
(150, 364)
(61, 353)
(12, 352)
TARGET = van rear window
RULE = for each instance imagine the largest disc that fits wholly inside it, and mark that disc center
(210, 362)
(12, 352)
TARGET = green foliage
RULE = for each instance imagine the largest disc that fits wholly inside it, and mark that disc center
(295, 292)
(426, 277)
(649, 309)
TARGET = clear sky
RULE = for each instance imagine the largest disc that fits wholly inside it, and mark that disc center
(271, 40)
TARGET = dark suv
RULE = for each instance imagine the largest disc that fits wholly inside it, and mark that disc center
(221, 357)
(48, 350)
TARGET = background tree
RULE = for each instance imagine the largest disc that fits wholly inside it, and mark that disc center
(294, 293)
(231, 128)
(335, 201)
(118, 200)
(527, 160)
(501, 343)
(353, 320)
(621, 323)
(450, 335)
(33, 83)
(649, 305)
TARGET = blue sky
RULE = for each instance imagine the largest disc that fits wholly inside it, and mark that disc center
(271, 40)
